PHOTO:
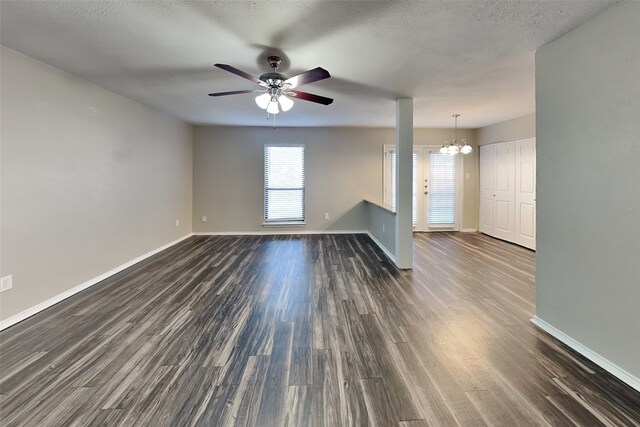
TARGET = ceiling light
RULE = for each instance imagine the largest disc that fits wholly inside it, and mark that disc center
(272, 108)
(263, 100)
(456, 146)
(466, 148)
(285, 103)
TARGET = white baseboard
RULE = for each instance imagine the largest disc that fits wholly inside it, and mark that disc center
(68, 293)
(384, 249)
(469, 230)
(605, 364)
(275, 232)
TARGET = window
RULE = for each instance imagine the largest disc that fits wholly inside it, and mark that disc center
(442, 197)
(283, 183)
(414, 190)
(389, 178)
(390, 181)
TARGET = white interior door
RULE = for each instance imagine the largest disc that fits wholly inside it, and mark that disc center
(504, 190)
(486, 188)
(525, 194)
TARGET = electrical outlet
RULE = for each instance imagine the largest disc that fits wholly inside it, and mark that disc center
(383, 228)
(177, 223)
(326, 215)
(204, 218)
(6, 283)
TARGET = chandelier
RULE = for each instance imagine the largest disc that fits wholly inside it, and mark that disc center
(456, 146)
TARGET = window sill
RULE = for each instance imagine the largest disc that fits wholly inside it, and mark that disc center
(284, 224)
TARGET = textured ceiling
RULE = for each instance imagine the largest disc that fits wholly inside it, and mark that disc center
(475, 58)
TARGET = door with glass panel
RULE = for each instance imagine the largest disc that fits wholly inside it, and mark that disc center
(435, 188)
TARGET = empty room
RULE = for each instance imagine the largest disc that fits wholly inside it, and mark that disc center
(319, 213)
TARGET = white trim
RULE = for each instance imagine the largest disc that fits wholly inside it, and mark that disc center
(469, 230)
(276, 223)
(384, 249)
(272, 233)
(443, 227)
(284, 224)
(605, 364)
(506, 140)
(70, 292)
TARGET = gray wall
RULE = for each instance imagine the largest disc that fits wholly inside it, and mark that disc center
(382, 226)
(343, 167)
(509, 130)
(588, 147)
(89, 179)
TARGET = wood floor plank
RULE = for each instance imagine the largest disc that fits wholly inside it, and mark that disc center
(306, 330)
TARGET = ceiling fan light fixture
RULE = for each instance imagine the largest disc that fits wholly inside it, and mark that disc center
(285, 103)
(272, 108)
(263, 100)
(276, 91)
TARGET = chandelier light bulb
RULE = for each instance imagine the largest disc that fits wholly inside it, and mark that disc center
(263, 100)
(285, 103)
(456, 146)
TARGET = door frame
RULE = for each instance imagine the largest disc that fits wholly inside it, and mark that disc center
(458, 211)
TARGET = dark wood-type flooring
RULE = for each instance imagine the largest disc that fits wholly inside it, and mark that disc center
(306, 330)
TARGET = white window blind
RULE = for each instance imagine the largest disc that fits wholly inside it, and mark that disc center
(414, 213)
(283, 183)
(390, 179)
(390, 182)
(442, 188)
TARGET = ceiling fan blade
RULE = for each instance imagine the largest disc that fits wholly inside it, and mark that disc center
(233, 92)
(310, 97)
(240, 73)
(310, 76)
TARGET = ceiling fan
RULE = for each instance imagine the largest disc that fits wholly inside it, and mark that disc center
(277, 90)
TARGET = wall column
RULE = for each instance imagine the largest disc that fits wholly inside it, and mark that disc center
(404, 178)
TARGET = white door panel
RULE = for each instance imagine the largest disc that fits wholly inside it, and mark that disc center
(503, 216)
(525, 232)
(486, 189)
(527, 221)
(504, 191)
